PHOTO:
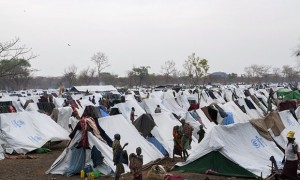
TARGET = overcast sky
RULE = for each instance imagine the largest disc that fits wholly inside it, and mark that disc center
(230, 34)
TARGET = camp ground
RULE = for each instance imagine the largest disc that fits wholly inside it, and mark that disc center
(241, 133)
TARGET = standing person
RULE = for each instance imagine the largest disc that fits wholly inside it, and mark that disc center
(270, 100)
(157, 109)
(132, 114)
(136, 164)
(201, 133)
(177, 134)
(186, 138)
(117, 153)
(66, 103)
(290, 159)
(93, 100)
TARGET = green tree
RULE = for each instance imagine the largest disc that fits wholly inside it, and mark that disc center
(195, 68)
(14, 59)
(139, 74)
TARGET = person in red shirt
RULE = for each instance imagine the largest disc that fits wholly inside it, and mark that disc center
(132, 114)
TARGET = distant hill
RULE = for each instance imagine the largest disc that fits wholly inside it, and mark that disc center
(220, 74)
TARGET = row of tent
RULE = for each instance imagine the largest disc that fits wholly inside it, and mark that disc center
(216, 141)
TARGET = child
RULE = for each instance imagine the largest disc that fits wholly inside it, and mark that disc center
(136, 164)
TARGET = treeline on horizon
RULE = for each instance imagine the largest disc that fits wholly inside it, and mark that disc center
(16, 72)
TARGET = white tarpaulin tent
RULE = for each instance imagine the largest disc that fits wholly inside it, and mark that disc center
(207, 123)
(253, 113)
(241, 144)
(64, 113)
(173, 106)
(290, 124)
(118, 124)
(164, 129)
(149, 105)
(94, 88)
(183, 102)
(62, 163)
(125, 109)
(163, 132)
(238, 115)
(27, 131)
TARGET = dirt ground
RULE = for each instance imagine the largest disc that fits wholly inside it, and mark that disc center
(34, 169)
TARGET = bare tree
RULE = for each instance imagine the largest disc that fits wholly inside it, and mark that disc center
(168, 70)
(86, 76)
(101, 61)
(257, 72)
(70, 75)
(276, 73)
(289, 73)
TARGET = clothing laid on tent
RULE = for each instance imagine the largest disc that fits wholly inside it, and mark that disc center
(7, 107)
(288, 104)
(90, 125)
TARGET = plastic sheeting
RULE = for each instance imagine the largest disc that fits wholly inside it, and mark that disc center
(290, 124)
(158, 145)
(173, 106)
(118, 124)
(228, 119)
(149, 105)
(208, 125)
(241, 144)
(62, 163)
(183, 102)
(64, 113)
(238, 115)
(125, 109)
(163, 132)
(27, 131)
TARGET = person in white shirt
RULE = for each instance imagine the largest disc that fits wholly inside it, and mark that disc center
(291, 158)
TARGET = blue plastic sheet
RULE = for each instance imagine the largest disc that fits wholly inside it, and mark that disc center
(103, 113)
(228, 119)
(157, 144)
